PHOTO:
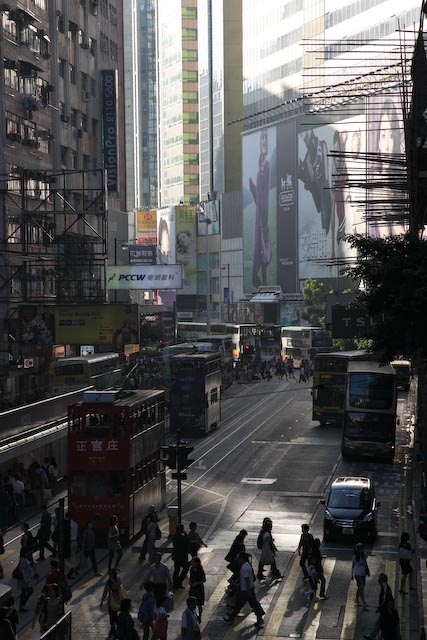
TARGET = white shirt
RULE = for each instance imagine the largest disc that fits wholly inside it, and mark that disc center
(246, 572)
(359, 566)
(184, 619)
(18, 486)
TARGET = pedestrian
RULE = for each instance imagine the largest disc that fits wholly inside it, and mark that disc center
(112, 593)
(44, 533)
(28, 544)
(55, 531)
(302, 373)
(151, 536)
(385, 596)
(290, 368)
(18, 491)
(149, 516)
(304, 548)
(359, 571)
(160, 629)
(246, 592)
(389, 622)
(405, 554)
(71, 532)
(114, 546)
(313, 578)
(23, 575)
(197, 584)
(146, 609)
(54, 473)
(51, 609)
(125, 624)
(11, 614)
(268, 552)
(57, 577)
(38, 608)
(6, 630)
(190, 629)
(159, 574)
(194, 540)
(238, 541)
(180, 556)
(316, 556)
(89, 547)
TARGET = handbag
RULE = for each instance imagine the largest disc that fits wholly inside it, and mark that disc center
(405, 553)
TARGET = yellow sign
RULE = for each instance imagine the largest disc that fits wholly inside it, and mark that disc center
(112, 324)
(146, 220)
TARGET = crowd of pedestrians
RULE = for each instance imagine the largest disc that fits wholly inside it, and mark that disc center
(274, 367)
(160, 582)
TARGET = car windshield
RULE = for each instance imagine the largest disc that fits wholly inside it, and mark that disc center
(349, 498)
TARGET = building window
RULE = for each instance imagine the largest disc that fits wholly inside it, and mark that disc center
(191, 138)
(11, 79)
(214, 260)
(94, 127)
(44, 142)
(12, 126)
(62, 66)
(189, 13)
(92, 46)
(86, 162)
(73, 74)
(74, 118)
(189, 55)
(189, 34)
(104, 8)
(93, 86)
(103, 43)
(61, 24)
(73, 159)
(114, 52)
(113, 15)
(84, 122)
(9, 27)
(64, 155)
(72, 31)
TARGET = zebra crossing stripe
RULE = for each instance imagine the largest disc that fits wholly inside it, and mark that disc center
(315, 612)
(214, 600)
(350, 613)
(274, 622)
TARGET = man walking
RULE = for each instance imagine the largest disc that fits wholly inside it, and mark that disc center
(304, 548)
(159, 574)
(44, 532)
(385, 597)
(246, 592)
(180, 556)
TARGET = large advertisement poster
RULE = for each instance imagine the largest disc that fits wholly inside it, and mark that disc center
(327, 203)
(286, 207)
(166, 247)
(36, 325)
(385, 141)
(146, 226)
(186, 255)
(114, 324)
(259, 209)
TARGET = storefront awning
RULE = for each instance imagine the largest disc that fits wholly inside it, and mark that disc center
(267, 297)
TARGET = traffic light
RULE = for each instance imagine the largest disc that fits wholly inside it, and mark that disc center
(249, 349)
(168, 455)
(184, 451)
(161, 343)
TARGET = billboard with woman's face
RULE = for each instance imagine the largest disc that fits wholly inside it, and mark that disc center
(385, 143)
(166, 254)
(186, 229)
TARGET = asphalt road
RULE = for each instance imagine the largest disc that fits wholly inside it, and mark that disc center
(269, 459)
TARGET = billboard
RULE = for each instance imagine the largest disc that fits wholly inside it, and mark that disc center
(109, 128)
(385, 139)
(287, 205)
(36, 325)
(115, 324)
(212, 209)
(142, 254)
(259, 209)
(146, 226)
(166, 247)
(186, 254)
(327, 205)
(145, 277)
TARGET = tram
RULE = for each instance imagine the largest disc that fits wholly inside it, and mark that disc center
(114, 467)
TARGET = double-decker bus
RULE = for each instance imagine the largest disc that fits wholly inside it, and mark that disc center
(304, 343)
(403, 370)
(114, 467)
(369, 422)
(329, 375)
(101, 370)
(195, 393)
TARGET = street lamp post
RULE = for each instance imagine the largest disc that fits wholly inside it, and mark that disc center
(227, 266)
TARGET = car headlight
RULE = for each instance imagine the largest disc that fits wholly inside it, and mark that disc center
(328, 516)
(368, 517)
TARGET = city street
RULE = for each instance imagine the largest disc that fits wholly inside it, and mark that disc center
(269, 459)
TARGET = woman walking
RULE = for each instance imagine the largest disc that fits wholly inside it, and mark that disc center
(405, 553)
(359, 571)
(114, 545)
(112, 593)
(197, 586)
(268, 552)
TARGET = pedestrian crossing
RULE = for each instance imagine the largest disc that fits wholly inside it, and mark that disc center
(289, 614)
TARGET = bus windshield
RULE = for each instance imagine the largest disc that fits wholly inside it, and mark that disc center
(369, 426)
(371, 391)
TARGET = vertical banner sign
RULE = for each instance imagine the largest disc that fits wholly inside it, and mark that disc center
(286, 207)
(109, 127)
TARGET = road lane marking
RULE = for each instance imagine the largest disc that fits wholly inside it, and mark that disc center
(214, 600)
(350, 613)
(275, 620)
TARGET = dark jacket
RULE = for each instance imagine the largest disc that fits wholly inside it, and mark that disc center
(180, 547)
(384, 598)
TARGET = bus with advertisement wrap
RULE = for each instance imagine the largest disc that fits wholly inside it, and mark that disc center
(195, 406)
(114, 467)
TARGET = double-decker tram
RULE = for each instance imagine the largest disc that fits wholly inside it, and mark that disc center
(114, 467)
(196, 392)
(369, 423)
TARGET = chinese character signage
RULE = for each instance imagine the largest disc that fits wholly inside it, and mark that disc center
(142, 254)
(147, 277)
(98, 453)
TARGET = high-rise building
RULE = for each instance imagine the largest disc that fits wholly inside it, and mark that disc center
(61, 114)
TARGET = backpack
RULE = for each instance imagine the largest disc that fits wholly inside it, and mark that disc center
(158, 533)
(145, 610)
(260, 539)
